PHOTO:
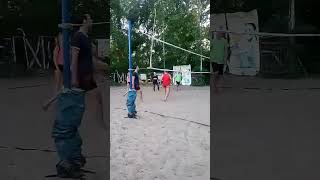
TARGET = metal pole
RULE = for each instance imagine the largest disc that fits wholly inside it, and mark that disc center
(292, 16)
(151, 49)
(200, 37)
(164, 57)
(130, 59)
(66, 44)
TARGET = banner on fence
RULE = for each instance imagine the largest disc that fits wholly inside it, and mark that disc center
(103, 47)
(186, 74)
(245, 55)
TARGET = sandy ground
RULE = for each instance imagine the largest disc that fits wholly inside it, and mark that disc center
(165, 142)
(266, 129)
(25, 125)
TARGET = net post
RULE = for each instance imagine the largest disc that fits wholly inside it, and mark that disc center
(129, 53)
(66, 45)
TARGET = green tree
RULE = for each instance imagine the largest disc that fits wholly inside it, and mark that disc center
(175, 21)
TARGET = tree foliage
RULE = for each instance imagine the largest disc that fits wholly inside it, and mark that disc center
(39, 17)
(176, 22)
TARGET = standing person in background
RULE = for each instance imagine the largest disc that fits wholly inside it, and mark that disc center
(155, 80)
(100, 74)
(218, 58)
(136, 81)
(137, 77)
(131, 102)
(178, 79)
(166, 81)
(58, 62)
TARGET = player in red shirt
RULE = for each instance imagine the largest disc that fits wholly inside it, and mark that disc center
(166, 81)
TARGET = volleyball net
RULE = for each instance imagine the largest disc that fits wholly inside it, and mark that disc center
(184, 67)
(172, 47)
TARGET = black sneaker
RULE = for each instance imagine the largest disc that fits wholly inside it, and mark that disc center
(135, 112)
(68, 170)
(131, 115)
(80, 162)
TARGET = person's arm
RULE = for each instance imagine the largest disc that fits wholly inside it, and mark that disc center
(128, 84)
(99, 65)
(75, 60)
(133, 85)
(74, 67)
(226, 52)
(55, 55)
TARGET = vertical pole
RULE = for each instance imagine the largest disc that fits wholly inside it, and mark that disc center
(151, 49)
(200, 35)
(292, 15)
(201, 64)
(292, 56)
(14, 50)
(227, 68)
(66, 45)
(43, 53)
(164, 57)
(130, 59)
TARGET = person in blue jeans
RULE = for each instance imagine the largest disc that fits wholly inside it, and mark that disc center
(71, 104)
(132, 94)
(68, 142)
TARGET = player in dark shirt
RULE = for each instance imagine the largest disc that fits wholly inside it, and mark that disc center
(155, 81)
(82, 63)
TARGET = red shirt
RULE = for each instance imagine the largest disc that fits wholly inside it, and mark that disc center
(166, 80)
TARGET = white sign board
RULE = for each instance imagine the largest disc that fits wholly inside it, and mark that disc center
(103, 47)
(143, 77)
(186, 74)
(245, 55)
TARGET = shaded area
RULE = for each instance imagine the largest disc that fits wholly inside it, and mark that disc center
(26, 147)
(266, 134)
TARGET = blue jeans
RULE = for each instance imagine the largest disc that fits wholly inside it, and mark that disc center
(131, 101)
(70, 110)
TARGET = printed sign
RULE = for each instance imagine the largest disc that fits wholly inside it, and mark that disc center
(186, 74)
(103, 47)
(143, 77)
(245, 55)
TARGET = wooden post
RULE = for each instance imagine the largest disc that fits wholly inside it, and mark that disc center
(49, 54)
(35, 58)
(14, 50)
(43, 53)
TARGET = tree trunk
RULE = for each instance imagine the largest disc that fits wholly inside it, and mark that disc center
(291, 27)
